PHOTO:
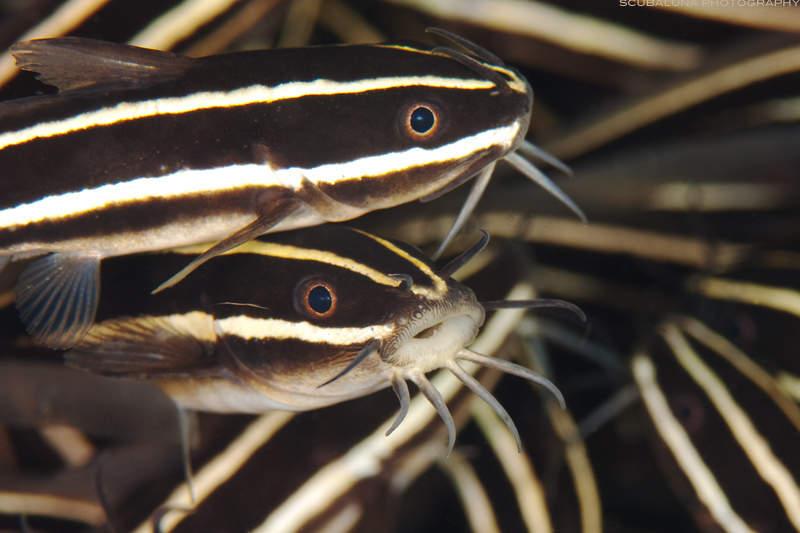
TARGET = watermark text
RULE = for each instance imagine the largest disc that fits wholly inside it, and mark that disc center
(712, 3)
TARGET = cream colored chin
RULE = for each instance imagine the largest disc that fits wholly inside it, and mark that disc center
(447, 338)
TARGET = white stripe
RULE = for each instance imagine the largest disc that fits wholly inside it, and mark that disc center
(254, 94)
(249, 328)
(414, 157)
(705, 484)
(181, 183)
(769, 467)
(191, 182)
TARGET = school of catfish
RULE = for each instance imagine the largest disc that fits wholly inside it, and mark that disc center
(146, 152)
(207, 154)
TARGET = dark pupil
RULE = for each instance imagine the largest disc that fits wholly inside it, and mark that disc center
(422, 120)
(320, 300)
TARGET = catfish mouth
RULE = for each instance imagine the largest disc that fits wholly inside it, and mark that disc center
(428, 332)
(434, 331)
(437, 338)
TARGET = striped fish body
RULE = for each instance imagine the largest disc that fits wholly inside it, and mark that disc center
(243, 335)
(727, 435)
(297, 321)
(144, 150)
(211, 137)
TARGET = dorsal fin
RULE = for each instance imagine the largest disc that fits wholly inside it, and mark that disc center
(70, 63)
(159, 347)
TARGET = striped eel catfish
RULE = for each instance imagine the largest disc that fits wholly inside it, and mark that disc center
(304, 320)
(727, 435)
(144, 150)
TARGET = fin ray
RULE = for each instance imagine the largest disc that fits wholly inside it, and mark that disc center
(161, 347)
(57, 297)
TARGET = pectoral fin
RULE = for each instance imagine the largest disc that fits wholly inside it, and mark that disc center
(279, 209)
(174, 346)
(310, 193)
(57, 297)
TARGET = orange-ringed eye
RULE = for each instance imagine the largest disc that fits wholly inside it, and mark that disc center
(315, 299)
(421, 121)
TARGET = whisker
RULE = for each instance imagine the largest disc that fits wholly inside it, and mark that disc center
(514, 369)
(464, 257)
(534, 174)
(467, 209)
(436, 400)
(525, 167)
(469, 46)
(531, 304)
(531, 150)
(401, 390)
(476, 66)
(475, 386)
(373, 346)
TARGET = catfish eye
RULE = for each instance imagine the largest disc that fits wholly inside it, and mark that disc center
(315, 299)
(421, 121)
